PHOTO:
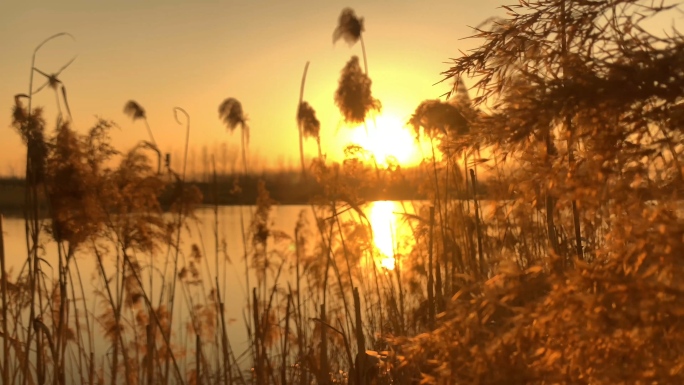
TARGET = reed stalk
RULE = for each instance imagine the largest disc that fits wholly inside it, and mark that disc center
(198, 359)
(477, 226)
(149, 330)
(430, 282)
(324, 370)
(5, 310)
(299, 122)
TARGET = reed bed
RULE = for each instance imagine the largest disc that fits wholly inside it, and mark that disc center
(567, 273)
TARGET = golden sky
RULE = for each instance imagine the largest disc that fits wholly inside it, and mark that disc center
(194, 54)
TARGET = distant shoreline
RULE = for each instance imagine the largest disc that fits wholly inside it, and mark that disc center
(285, 189)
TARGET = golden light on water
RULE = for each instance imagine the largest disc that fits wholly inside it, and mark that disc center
(384, 223)
(388, 137)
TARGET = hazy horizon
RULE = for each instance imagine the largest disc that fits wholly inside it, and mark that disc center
(195, 54)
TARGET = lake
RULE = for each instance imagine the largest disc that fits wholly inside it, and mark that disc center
(227, 268)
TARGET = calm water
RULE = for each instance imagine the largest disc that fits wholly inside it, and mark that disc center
(384, 217)
(389, 231)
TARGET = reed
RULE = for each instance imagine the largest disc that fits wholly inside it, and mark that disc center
(566, 268)
(5, 330)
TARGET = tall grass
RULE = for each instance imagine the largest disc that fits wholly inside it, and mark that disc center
(566, 273)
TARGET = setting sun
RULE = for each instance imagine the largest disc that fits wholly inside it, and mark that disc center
(388, 137)
(229, 194)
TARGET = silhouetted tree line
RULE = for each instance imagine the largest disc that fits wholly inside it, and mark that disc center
(287, 188)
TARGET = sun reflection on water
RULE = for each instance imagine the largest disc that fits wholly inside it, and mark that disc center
(384, 224)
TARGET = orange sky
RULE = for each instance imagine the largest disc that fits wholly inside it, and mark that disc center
(194, 54)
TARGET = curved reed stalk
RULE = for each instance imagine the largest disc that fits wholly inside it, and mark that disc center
(299, 119)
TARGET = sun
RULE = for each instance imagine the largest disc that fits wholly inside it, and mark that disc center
(387, 137)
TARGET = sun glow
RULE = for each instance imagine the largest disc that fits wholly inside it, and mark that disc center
(388, 137)
(383, 221)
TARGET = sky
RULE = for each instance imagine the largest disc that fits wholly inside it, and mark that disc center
(194, 54)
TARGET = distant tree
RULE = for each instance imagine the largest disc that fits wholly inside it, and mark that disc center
(193, 163)
(224, 158)
(205, 163)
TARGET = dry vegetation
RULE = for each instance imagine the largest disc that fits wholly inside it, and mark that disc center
(576, 280)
